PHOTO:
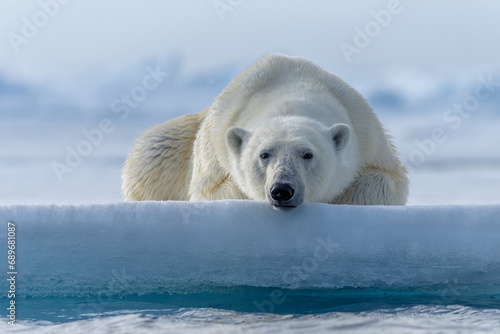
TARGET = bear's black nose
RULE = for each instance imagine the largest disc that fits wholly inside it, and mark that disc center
(281, 192)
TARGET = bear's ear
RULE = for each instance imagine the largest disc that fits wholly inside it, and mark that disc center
(235, 137)
(340, 134)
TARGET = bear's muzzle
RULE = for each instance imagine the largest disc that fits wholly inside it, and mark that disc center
(281, 196)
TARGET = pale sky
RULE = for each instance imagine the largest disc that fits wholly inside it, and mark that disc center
(76, 34)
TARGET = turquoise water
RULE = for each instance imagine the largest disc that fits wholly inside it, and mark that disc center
(255, 300)
(445, 308)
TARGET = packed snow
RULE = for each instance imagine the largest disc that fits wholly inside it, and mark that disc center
(191, 247)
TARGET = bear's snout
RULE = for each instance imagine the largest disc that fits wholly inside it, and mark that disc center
(282, 192)
(281, 195)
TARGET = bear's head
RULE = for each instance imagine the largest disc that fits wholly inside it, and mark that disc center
(289, 160)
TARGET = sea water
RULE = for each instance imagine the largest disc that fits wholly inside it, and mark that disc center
(361, 317)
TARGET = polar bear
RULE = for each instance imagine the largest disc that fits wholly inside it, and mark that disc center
(284, 131)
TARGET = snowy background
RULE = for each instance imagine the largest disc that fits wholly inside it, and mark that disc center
(66, 67)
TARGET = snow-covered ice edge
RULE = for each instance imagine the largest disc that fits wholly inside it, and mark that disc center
(139, 248)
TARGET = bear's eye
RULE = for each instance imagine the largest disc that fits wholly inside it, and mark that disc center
(307, 156)
(264, 156)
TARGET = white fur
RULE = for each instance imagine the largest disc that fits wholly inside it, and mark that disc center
(285, 106)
